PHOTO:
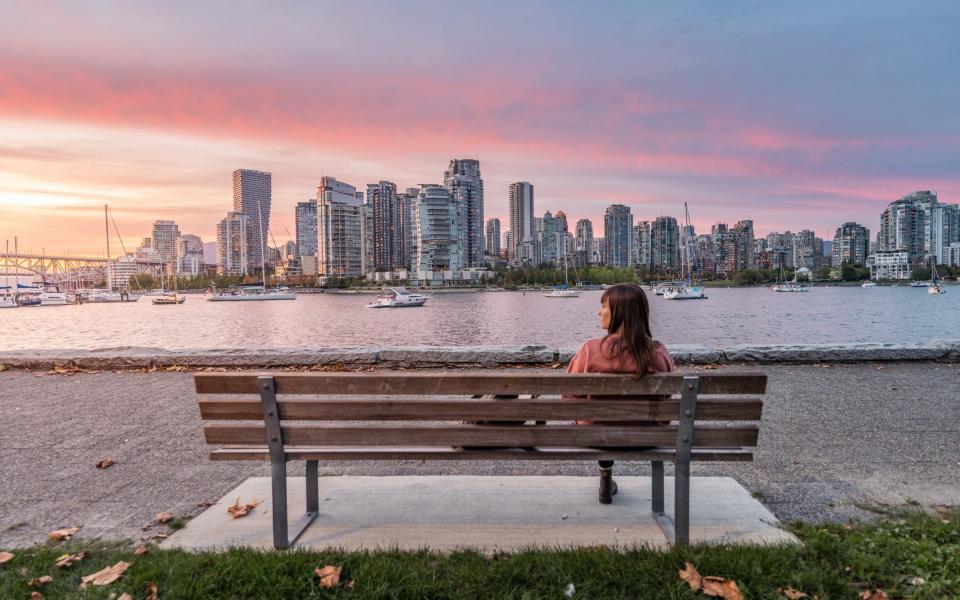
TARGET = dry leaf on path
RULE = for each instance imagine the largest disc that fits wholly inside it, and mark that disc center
(63, 534)
(39, 581)
(329, 575)
(873, 595)
(152, 591)
(690, 575)
(67, 560)
(163, 517)
(6, 557)
(141, 550)
(103, 464)
(791, 593)
(721, 588)
(105, 576)
(241, 510)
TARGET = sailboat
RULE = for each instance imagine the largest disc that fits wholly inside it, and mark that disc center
(168, 297)
(794, 285)
(565, 291)
(253, 292)
(935, 286)
(7, 297)
(687, 291)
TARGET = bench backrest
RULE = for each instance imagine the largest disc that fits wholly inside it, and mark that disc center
(426, 409)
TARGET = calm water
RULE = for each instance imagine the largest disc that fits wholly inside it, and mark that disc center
(729, 316)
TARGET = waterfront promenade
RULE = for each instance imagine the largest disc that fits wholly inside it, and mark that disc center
(836, 440)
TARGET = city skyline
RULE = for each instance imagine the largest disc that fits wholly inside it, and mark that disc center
(795, 119)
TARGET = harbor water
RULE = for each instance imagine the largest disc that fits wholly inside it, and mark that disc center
(728, 317)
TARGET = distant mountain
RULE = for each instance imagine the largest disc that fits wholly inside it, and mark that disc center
(210, 253)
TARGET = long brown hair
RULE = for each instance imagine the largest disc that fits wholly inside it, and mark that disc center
(630, 321)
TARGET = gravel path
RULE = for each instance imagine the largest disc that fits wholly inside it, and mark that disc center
(833, 440)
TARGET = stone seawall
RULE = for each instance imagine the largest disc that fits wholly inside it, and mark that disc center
(476, 356)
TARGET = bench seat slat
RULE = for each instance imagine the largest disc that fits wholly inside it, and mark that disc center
(483, 435)
(473, 409)
(477, 383)
(540, 453)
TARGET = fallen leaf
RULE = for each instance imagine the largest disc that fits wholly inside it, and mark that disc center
(141, 550)
(791, 593)
(873, 595)
(721, 588)
(570, 590)
(67, 560)
(105, 576)
(151, 591)
(690, 575)
(916, 581)
(329, 575)
(40, 581)
(36, 596)
(241, 510)
(349, 585)
(163, 517)
(63, 534)
(103, 464)
(6, 557)
(125, 596)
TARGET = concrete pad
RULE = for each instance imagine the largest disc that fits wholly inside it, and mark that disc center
(485, 513)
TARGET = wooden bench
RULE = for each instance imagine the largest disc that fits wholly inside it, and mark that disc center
(420, 416)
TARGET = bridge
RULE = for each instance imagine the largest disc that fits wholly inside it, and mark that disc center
(69, 271)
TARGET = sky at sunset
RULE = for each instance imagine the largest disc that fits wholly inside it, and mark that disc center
(797, 115)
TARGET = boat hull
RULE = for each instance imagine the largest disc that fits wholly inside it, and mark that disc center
(252, 298)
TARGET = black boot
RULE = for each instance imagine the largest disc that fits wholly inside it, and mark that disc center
(608, 487)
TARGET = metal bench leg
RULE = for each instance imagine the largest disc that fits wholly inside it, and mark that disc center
(278, 480)
(313, 488)
(685, 432)
(656, 483)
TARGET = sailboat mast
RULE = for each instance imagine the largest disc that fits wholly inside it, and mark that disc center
(263, 252)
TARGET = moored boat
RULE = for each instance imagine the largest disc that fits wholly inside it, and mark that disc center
(248, 293)
(398, 297)
(868, 284)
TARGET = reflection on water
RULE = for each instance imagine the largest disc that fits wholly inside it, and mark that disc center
(728, 317)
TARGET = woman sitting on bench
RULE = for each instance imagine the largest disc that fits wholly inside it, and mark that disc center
(628, 347)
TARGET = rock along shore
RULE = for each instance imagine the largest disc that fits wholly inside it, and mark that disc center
(474, 356)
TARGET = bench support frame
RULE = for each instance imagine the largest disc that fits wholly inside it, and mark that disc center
(676, 529)
(283, 535)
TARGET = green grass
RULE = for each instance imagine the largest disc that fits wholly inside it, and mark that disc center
(835, 561)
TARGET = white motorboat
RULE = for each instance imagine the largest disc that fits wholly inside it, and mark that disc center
(398, 297)
(790, 286)
(250, 293)
(687, 292)
(921, 284)
(562, 293)
(868, 284)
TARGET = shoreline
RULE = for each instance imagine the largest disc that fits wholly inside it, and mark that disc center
(945, 351)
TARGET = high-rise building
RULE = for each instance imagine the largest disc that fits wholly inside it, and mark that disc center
(387, 234)
(438, 229)
(252, 193)
(462, 179)
(164, 238)
(808, 250)
(618, 234)
(340, 244)
(851, 244)
(408, 206)
(521, 217)
(780, 247)
(233, 245)
(189, 255)
(583, 243)
(919, 225)
(745, 246)
(561, 218)
(665, 245)
(493, 237)
(642, 244)
(305, 220)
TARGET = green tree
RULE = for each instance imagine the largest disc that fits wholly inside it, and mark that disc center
(920, 274)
